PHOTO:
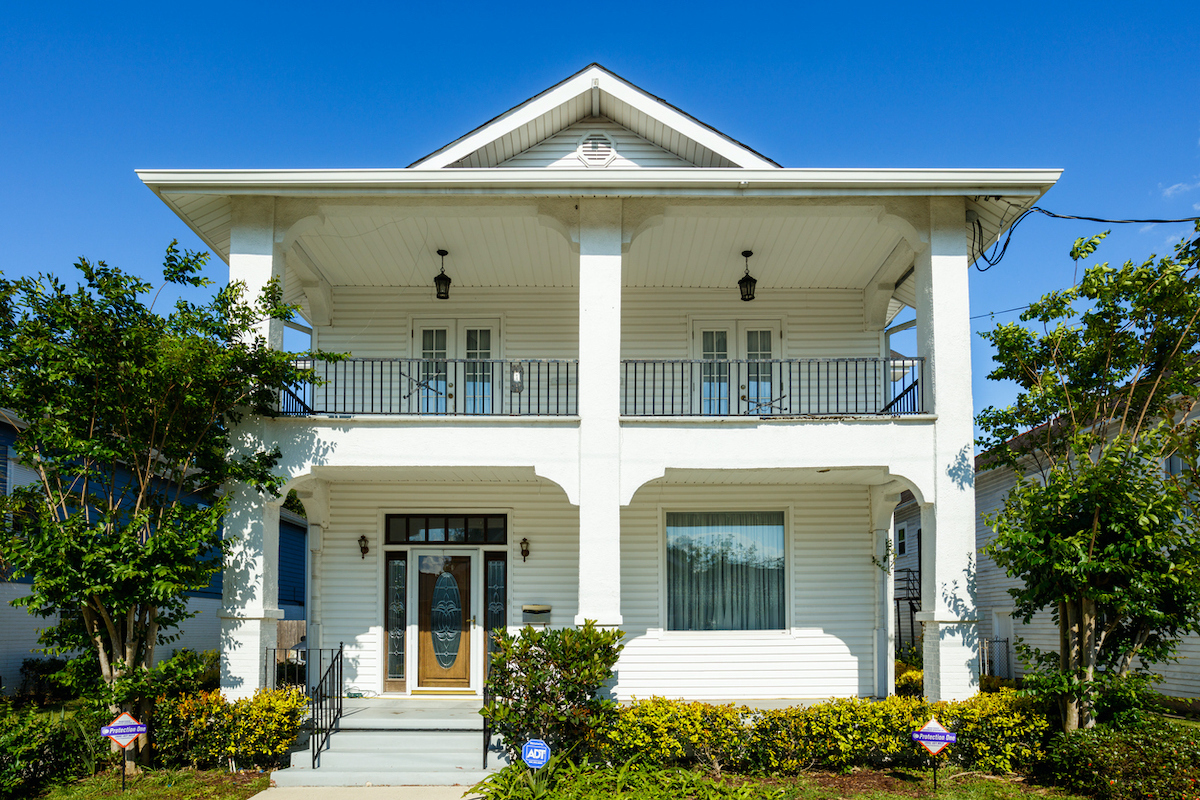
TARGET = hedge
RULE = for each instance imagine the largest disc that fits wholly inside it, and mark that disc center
(997, 733)
(205, 730)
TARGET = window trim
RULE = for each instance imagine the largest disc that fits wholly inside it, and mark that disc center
(789, 572)
(902, 539)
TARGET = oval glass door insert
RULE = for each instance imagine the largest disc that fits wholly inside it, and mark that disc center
(446, 620)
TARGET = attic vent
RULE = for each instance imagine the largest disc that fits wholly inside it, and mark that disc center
(596, 150)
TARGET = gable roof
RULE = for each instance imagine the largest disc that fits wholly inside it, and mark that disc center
(590, 93)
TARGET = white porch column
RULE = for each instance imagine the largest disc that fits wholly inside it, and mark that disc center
(884, 500)
(599, 409)
(250, 589)
(948, 522)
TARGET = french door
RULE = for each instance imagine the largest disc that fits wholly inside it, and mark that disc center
(736, 374)
(457, 373)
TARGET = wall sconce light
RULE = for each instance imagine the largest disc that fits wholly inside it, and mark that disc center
(441, 281)
(516, 382)
(524, 549)
(362, 546)
(747, 283)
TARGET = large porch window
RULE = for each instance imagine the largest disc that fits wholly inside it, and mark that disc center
(725, 571)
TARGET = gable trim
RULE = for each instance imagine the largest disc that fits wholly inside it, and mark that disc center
(595, 77)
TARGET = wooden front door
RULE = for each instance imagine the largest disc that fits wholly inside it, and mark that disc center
(444, 621)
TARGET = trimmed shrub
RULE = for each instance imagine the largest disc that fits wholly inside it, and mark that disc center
(996, 733)
(36, 752)
(911, 683)
(1154, 760)
(660, 732)
(206, 731)
(193, 730)
(989, 684)
(545, 684)
(265, 725)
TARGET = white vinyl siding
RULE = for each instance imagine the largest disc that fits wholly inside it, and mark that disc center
(828, 647)
(631, 150)
(349, 590)
(544, 323)
(1180, 679)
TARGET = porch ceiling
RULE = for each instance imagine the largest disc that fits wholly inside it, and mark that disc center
(858, 476)
(809, 246)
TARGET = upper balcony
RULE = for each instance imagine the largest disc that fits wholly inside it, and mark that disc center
(815, 387)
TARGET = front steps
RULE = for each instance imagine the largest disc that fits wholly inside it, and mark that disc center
(400, 742)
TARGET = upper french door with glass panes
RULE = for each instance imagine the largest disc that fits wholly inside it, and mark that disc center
(736, 374)
(457, 367)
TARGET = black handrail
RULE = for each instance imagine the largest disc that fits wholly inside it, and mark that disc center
(487, 725)
(808, 387)
(326, 703)
(437, 387)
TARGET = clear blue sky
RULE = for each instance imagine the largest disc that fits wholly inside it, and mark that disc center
(90, 92)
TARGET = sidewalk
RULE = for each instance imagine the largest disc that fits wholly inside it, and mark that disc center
(364, 793)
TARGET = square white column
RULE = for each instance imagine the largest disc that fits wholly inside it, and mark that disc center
(948, 592)
(599, 411)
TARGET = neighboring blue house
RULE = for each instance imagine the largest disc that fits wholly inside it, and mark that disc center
(19, 629)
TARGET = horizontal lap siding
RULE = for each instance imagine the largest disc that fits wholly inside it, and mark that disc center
(827, 651)
(350, 588)
(1181, 679)
(813, 324)
(378, 322)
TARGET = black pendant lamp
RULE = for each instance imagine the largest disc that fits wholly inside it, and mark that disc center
(441, 281)
(746, 284)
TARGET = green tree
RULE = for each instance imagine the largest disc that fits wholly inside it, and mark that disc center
(1095, 528)
(125, 415)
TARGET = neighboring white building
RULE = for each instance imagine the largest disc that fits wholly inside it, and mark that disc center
(1180, 679)
(716, 477)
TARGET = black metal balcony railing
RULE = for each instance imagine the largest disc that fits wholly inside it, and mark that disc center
(438, 387)
(803, 387)
(540, 387)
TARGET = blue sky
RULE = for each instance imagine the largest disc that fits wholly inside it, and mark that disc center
(90, 92)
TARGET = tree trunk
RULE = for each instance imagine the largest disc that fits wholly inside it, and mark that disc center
(1089, 656)
(1068, 623)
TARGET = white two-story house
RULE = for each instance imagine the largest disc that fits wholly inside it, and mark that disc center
(607, 363)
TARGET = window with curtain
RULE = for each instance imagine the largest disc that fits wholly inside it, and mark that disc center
(725, 571)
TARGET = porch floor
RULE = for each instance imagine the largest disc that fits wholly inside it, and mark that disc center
(415, 713)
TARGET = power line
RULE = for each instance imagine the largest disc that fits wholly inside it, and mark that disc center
(994, 313)
(1000, 248)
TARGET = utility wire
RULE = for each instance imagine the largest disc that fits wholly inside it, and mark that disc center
(1000, 248)
(994, 313)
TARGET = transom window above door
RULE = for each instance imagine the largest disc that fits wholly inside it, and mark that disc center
(446, 529)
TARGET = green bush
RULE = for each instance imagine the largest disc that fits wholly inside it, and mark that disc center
(39, 684)
(996, 733)
(1154, 760)
(36, 752)
(207, 731)
(660, 732)
(989, 684)
(545, 684)
(911, 683)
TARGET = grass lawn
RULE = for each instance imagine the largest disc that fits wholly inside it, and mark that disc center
(905, 784)
(164, 784)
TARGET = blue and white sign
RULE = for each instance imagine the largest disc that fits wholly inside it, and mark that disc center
(934, 737)
(535, 753)
(123, 730)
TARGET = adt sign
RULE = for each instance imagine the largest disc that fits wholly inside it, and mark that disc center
(535, 753)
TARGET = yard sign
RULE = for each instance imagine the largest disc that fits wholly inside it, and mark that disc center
(123, 730)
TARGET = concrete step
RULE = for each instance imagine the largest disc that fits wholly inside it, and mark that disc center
(330, 777)
(401, 750)
(405, 740)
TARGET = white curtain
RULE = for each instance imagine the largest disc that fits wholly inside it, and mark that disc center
(725, 571)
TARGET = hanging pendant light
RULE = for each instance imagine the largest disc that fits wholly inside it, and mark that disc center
(441, 281)
(746, 284)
